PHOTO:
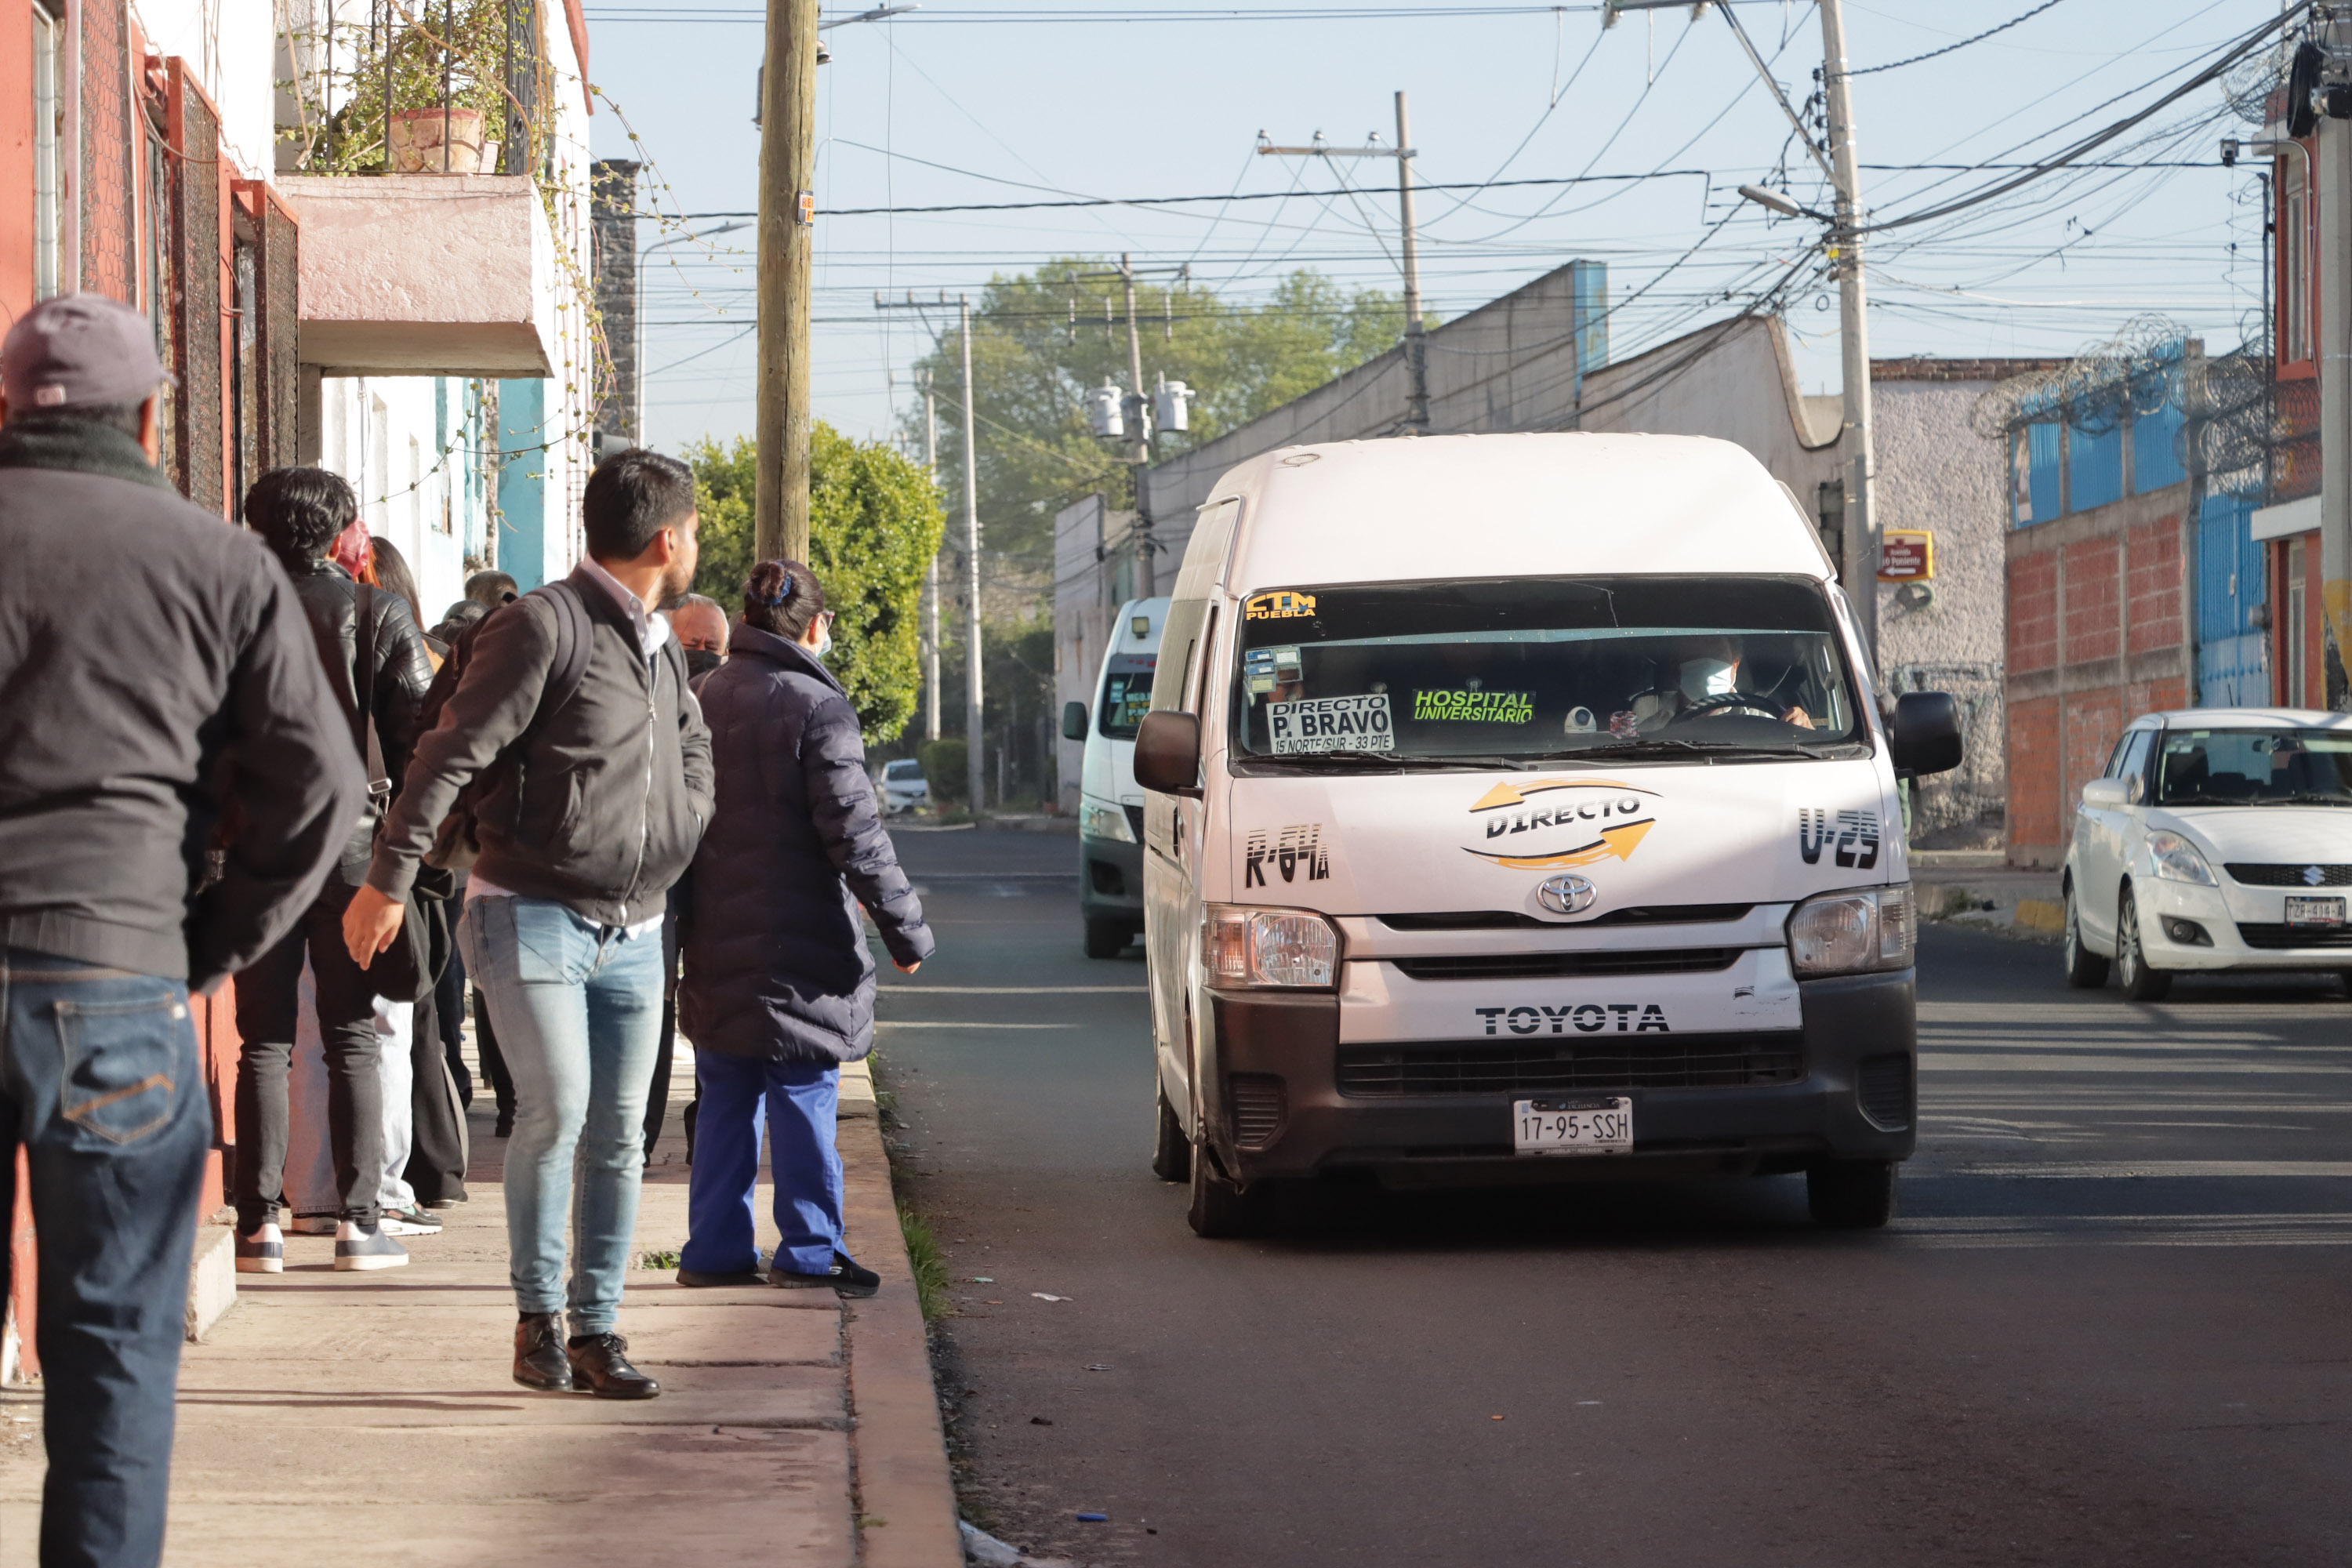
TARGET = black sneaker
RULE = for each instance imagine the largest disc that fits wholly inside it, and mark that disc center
(261, 1251)
(367, 1246)
(845, 1277)
(599, 1366)
(539, 1361)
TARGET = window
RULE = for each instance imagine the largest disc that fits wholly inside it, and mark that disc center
(48, 153)
(2298, 693)
(2116, 757)
(2295, 264)
(2255, 767)
(1126, 694)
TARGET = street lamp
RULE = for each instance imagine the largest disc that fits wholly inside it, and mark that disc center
(1782, 204)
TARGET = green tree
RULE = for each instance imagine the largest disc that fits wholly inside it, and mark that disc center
(874, 524)
(1039, 340)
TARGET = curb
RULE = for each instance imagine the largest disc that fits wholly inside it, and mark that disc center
(906, 1494)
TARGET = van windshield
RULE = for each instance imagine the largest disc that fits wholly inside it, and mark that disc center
(1538, 667)
(1126, 694)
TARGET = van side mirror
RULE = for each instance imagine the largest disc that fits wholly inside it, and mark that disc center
(1168, 753)
(1074, 721)
(1925, 738)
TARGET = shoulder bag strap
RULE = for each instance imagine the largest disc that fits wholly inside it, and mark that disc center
(363, 629)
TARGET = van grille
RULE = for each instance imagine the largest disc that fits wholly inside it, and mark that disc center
(2261, 876)
(2278, 936)
(1505, 920)
(1557, 965)
(1684, 1061)
(1885, 1090)
(1257, 1100)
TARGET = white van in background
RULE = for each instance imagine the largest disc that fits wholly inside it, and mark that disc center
(1518, 807)
(1110, 805)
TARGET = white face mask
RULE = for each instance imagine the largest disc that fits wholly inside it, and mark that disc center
(1705, 677)
(824, 640)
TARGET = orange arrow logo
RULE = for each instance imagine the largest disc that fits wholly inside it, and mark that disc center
(1620, 842)
(1516, 793)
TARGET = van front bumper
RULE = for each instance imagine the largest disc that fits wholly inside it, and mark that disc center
(1274, 1108)
(1110, 879)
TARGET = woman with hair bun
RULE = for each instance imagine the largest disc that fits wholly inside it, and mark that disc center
(779, 987)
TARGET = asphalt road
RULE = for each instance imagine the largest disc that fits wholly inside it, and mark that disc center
(2112, 1324)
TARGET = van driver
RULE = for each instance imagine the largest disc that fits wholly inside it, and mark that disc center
(1708, 687)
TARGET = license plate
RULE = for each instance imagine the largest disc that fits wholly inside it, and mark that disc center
(2314, 911)
(1572, 1126)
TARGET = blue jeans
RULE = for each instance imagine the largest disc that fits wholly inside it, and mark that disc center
(100, 1082)
(577, 1007)
(796, 1099)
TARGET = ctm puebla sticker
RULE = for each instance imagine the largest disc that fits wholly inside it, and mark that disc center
(1534, 825)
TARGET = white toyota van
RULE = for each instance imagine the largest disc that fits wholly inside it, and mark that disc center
(1110, 802)
(1518, 806)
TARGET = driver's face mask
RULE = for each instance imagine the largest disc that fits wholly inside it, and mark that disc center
(1705, 677)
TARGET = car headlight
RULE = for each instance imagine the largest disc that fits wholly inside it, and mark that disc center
(1852, 934)
(2177, 860)
(1105, 822)
(1263, 948)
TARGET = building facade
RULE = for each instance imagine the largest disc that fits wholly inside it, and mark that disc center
(214, 165)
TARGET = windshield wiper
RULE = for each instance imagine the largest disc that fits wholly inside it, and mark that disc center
(1381, 759)
(1651, 746)
(2201, 800)
(2305, 800)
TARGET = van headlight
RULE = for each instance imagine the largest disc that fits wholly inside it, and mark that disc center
(1246, 948)
(1096, 821)
(2177, 860)
(1852, 934)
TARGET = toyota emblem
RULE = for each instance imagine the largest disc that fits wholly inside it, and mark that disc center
(1566, 894)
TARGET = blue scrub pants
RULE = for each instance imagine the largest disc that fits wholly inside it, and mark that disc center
(796, 1101)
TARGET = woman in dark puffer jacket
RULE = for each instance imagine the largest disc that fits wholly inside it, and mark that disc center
(778, 987)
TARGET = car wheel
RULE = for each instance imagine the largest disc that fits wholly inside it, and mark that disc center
(1851, 1195)
(1106, 938)
(2140, 983)
(2085, 970)
(1171, 1155)
(1220, 1209)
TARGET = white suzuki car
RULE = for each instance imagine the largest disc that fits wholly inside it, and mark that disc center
(2219, 838)
(904, 788)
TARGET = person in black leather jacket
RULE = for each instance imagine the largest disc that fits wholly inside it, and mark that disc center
(366, 638)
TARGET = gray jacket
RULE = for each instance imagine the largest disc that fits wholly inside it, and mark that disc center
(177, 775)
(612, 792)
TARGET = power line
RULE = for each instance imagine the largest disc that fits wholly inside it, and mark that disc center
(1964, 42)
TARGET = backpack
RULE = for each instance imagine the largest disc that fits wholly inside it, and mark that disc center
(456, 844)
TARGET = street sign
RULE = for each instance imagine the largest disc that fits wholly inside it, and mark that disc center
(1907, 555)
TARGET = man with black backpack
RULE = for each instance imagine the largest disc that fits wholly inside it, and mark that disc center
(567, 766)
(374, 659)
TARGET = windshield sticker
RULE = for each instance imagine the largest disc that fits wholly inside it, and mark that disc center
(1585, 1018)
(1281, 605)
(1854, 835)
(1330, 724)
(1289, 851)
(1267, 670)
(1473, 707)
(1589, 820)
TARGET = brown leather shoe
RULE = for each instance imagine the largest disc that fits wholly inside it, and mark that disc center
(539, 1361)
(600, 1367)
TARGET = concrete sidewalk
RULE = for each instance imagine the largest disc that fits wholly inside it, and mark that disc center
(372, 1417)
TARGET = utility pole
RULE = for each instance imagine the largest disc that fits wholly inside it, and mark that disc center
(1416, 348)
(931, 572)
(974, 740)
(1853, 333)
(1416, 360)
(2335, 224)
(1139, 431)
(787, 228)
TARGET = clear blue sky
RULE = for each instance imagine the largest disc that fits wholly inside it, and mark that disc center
(928, 108)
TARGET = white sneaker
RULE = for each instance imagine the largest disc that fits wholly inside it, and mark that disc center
(367, 1246)
(263, 1252)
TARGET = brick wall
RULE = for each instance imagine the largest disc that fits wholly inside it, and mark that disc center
(2094, 639)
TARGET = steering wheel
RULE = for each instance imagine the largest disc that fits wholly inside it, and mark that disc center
(1726, 702)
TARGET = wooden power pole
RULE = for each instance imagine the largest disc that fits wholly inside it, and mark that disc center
(787, 234)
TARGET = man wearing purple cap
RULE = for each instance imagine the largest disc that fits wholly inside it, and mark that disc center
(175, 779)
